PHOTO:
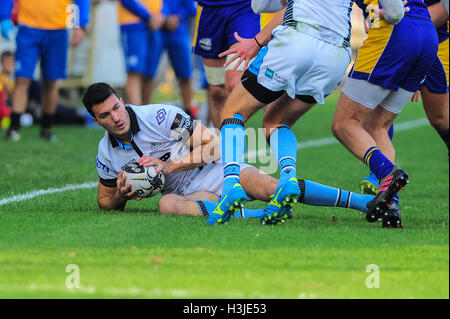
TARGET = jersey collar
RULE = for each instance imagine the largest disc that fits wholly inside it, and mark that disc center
(134, 125)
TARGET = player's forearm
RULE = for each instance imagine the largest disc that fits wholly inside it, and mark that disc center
(199, 156)
(265, 35)
(111, 203)
(438, 13)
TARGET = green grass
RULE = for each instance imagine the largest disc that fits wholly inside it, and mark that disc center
(320, 253)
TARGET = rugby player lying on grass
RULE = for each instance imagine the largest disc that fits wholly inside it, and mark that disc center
(187, 153)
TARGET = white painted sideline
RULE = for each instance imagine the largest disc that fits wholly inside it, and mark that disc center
(41, 192)
(308, 144)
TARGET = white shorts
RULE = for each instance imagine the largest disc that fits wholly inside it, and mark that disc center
(300, 64)
(209, 178)
(371, 95)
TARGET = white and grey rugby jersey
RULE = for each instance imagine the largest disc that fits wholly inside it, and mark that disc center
(333, 15)
(157, 130)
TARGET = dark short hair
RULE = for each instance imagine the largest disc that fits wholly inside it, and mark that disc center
(95, 94)
(6, 54)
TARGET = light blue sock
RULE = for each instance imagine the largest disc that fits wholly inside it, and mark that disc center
(284, 146)
(321, 195)
(207, 208)
(233, 147)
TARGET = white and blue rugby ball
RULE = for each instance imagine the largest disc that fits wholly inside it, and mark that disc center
(144, 180)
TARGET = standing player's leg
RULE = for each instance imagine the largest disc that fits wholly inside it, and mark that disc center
(155, 47)
(27, 53)
(54, 67)
(134, 46)
(49, 101)
(369, 185)
(435, 93)
(349, 119)
(278, 119)
(179, 52)
(437, 108)
(239, 106)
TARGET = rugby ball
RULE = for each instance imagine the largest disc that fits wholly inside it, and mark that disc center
(144, 180)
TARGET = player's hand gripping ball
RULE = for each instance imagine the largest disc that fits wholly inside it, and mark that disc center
(144, 180)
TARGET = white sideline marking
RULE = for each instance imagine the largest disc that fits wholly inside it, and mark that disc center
(134, 291)
(331, 140)
(308, 144)
(41, 192)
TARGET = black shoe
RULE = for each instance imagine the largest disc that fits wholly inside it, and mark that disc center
(12, 135)
(393, 218)
(389, 186)
(47, 135)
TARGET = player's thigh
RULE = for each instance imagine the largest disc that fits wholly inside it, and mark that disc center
(240, 101)
(180, 56)
(436, 105)
(154, 51)
(203, 195)
(257, 184)
(28, 42)
(379, 119)
(348, 110)
(180, 204)
(134, 45)
(54, 54)
(284, 110)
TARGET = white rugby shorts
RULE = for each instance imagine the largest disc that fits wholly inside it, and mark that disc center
(300, 64)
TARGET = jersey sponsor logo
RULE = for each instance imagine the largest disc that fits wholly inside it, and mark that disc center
(205, 44)
(161, 116)
(269, 73)
(101, 166)
(155, 147)
(182, 127)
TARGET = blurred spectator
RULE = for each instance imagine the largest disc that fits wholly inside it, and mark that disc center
(42, 34)
(7, 70)
(177, 42)
(139, 24)
(148, 27)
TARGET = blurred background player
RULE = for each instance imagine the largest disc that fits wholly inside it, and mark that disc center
(390, 67)
(177, 43)
(140, 22)
(434, 91)
(216, 23)
(42, 34)
(148, 27)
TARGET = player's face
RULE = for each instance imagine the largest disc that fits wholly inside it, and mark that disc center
(112, 115)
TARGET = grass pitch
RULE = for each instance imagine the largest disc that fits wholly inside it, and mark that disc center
(320, 253)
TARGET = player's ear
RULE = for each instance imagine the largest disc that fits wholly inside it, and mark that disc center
(96, 122)
(121, 101)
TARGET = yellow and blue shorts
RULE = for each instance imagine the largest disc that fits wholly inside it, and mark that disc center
(397, 56)
(215, 27)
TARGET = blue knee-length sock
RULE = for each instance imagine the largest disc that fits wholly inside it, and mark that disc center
(321, 195)
(284, 145)
(233, 147)
(207, 207)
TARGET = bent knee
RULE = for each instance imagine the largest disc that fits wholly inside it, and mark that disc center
(168, 204)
